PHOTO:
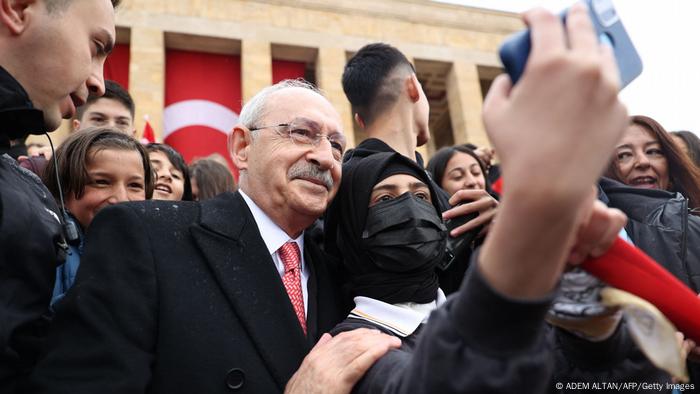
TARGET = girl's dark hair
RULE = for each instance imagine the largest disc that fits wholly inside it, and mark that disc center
(682, 173)
(176, 160)
(693, 143)
(438, 163)
(213, 178)
(73, 155)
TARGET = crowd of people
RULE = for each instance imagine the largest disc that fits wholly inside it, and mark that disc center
(328, 268)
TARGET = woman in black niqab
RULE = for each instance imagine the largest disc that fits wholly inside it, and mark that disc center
(389, 250)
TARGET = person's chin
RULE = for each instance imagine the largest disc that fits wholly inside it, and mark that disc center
(312, 203)
(159, 195)
(52, 120)
(652, 186)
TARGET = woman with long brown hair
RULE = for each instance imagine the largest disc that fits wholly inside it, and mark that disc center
(647, 157)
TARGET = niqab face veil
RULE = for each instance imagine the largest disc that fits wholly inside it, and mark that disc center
(390, 250)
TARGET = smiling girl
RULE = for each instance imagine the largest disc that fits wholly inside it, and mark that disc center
(172, 181)
(97, 167)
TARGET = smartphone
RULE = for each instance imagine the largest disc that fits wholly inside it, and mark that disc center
(457, 247)
(516, 48)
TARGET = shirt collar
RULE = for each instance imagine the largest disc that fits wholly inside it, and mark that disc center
(273, 236)
(401, 319)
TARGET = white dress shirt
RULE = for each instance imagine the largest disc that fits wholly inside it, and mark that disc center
(274, 237)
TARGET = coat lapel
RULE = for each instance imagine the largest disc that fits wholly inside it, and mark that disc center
(326, 308)
(232, 246)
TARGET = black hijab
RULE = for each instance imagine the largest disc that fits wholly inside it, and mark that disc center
(365, 278)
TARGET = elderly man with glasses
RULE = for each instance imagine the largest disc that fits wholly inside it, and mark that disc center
(227, 294)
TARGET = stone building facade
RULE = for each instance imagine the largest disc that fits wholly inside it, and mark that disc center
(454, 49)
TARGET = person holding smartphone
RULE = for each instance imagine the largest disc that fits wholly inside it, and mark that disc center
(491, 335)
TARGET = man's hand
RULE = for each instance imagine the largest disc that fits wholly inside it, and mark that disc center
(335, 364)
(479, 201)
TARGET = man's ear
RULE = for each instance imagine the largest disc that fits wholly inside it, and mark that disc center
(14, 15)
(413, 88)
(75, 123)
(360, 122)
(239, 145)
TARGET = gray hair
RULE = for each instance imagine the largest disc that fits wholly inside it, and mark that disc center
(61, 5)
(255, 109)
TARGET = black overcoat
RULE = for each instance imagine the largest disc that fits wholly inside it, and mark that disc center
(181, 297)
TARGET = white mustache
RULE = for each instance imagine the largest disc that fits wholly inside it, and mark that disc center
(309, 171)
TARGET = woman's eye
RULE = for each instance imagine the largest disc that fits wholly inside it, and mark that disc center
(421, 195)
(623, 155)
(655, 152)
(137, 186)
(385, 197)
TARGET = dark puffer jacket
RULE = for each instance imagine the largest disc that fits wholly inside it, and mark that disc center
(660, 223)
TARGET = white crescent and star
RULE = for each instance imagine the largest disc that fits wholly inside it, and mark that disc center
(198, 113)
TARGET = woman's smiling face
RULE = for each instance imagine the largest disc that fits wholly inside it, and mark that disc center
(640, 160)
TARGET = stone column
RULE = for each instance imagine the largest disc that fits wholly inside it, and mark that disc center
(329, 71)
(147, 77)
(465, 102)
(256, 67)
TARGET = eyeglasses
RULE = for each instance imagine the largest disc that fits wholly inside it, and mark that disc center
(307, 135)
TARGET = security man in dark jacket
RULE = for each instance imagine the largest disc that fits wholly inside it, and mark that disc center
(31, 241)
(36, 91)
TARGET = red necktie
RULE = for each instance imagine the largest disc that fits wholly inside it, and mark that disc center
(289, 254)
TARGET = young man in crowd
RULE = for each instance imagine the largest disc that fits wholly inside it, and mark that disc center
(51, 56)
(114, 109)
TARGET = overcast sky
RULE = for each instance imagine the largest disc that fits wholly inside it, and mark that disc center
(666, 34)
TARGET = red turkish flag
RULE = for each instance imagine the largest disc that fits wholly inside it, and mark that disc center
(203, 100)
(148, 135)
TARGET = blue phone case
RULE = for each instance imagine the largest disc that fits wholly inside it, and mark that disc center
(515, 50)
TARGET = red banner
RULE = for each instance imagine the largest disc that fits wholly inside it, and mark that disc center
(284, 69)
(117, 65)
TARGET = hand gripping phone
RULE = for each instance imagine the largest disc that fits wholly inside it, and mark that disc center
(459, 247)
(608, 26)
